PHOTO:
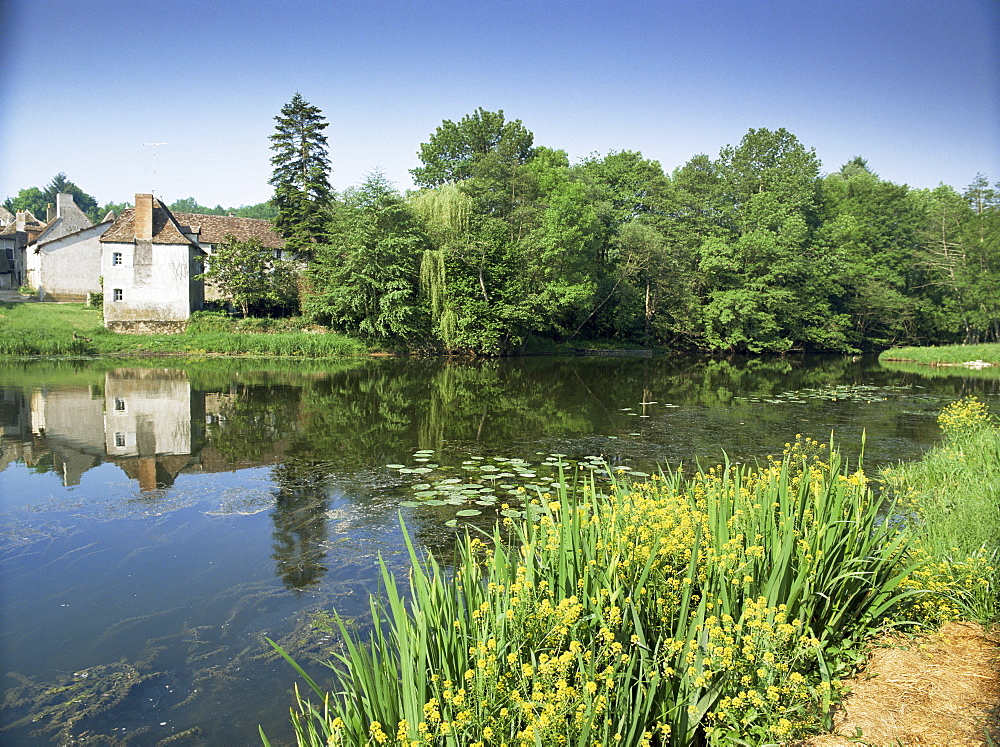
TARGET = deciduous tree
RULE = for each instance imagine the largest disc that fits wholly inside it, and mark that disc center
(365, 279)
(249, 274)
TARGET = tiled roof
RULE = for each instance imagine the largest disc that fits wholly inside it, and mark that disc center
(215, 228)
(166, 229)
(210, 229)
(32, 226)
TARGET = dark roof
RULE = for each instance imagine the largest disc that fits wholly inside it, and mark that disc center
(32, 226)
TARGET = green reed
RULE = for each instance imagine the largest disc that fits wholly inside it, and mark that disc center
(711, 608)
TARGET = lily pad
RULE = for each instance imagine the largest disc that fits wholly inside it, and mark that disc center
(468, 512)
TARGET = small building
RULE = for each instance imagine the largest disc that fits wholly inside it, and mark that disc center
(64, 261)
(14, 238)
(150, 264)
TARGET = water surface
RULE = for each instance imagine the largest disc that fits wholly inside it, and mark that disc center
(158, 522)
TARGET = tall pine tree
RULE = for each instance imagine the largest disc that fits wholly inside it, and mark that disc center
(302, 191)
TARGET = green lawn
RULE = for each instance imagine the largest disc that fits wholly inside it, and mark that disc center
(32, 329)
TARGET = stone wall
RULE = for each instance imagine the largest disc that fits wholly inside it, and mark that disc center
(146, 327)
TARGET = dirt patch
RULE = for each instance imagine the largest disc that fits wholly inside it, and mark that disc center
(943, 690)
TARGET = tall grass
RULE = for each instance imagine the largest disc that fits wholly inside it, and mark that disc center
(683, 609)
(945, 354)
(72, 329)
(954, 495)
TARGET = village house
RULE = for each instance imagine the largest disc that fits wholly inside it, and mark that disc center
(17, 231)
(64, 261)
(150, 264)
(152, 258)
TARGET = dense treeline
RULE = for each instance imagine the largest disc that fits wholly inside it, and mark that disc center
(755, 250)
(38, 200)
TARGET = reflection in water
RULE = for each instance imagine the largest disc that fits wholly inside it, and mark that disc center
(265, 498)
(300, 523)
(151, 423)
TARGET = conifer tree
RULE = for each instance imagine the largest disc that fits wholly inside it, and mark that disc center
(300, 178)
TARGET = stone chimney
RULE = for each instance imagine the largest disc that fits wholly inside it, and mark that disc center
(50, 213)
(64, 202)
(143, 217)
(21, 220)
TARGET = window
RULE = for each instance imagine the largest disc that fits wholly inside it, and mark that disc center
(116, 258)
(116, 294)
(119, 404)
(119, 440)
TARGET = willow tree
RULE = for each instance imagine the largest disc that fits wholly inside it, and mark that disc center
(446, 212)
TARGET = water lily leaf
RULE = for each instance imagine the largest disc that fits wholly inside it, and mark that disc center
(422, 470)
(410, 504)
(468, 512)
(434, 502)
(451, 523)
(421, 486)
(395, 466)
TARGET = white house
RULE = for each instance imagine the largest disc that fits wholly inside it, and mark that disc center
(150, 263)
(64, 261)
(150, 258)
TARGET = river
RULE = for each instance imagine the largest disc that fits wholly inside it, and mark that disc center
(160, 519)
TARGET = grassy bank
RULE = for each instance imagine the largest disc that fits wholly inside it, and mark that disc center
(29, 329)
(945, 354)
(954, 495)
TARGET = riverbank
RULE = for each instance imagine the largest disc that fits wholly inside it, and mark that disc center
(37, 329)
(724, 606)
(969, 356)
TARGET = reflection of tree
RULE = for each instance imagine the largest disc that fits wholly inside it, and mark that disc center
(252, 418)
(300, 523)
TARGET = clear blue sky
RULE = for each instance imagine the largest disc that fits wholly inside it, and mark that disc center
(913, 86)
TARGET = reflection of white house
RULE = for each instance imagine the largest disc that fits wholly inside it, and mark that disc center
(70, 423)
(147, 412)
